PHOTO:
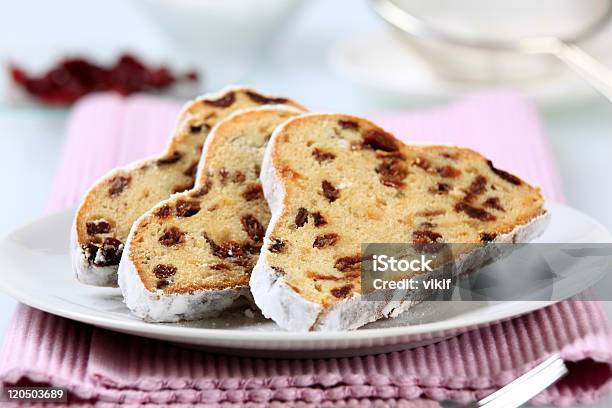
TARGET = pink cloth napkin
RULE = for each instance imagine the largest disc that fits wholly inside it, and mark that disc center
(103, 367)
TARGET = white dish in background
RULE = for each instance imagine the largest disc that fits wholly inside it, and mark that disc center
(37, 272)
(493, 21)
(384, 61)
(227, 36)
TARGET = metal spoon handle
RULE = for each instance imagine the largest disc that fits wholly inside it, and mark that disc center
(525, 387)
(590, 69)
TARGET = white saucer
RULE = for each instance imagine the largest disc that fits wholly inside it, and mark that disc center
(383, 62)
(36, 271)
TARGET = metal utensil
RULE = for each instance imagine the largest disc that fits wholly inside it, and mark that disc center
(564, 47)
(527, 386)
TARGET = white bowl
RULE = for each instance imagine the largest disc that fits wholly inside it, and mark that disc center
(224, 36)
(500, 20)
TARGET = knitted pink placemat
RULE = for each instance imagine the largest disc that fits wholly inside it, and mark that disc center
(104, 367)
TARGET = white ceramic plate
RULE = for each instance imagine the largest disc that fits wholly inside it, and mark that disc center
(36, 271)
(383, 62)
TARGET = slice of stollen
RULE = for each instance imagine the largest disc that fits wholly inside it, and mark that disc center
(191, 256)
(109, 208)
(336, 181)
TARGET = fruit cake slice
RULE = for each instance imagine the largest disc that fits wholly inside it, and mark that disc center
(336, 181)
(192, 254)
(109, 208)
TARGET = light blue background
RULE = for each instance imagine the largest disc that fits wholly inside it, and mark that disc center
(31, 138)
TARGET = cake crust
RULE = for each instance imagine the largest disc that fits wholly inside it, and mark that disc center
(283, 295)
(112, 204)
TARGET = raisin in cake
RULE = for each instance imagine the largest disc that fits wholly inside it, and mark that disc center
(192, 254)
(111, 206)
(336, 181)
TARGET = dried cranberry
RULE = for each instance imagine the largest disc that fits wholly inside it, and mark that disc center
(449, 171)
(441, 188)
(231, 249)
(474, 212)
(342, 291)
(427, 241)
(392, 172)
(109, 252)
(301, 217)
(118, 184)
(163, 212)
(325, 240)
(220, 266)
(90, 249)
(163, 271)
(97, 227)
(322, 156)
(276, 245)
(239, 177)
(227, 249)
(348, 124)
(170, 159)
(172, 236)
(320, 276)
(348, 263)
(487, 236)
(511, 178)
(478, 185)
(265, 100)
(223, 102)
(329, 191)
(422, 237)
(252, 227)
(179, 188)
(319, 220)
(162, 283)
(186, 208)
(379, 140)
(253, 192)
(493, 202)
(213, 245)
